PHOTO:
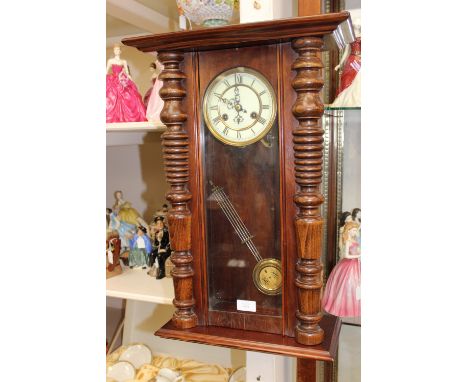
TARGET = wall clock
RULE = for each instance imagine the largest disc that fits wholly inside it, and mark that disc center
(243, 154)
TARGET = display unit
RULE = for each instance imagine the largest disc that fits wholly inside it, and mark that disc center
(288, 320)
(342, 175)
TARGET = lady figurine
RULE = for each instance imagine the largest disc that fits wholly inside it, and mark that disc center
(349, 91)
(140, 249)
(113, 267)
(345, 218)
(163, 211)
(356, 215)
(125, 230)
(123, 102)
(126, 212)
(342, 296)
(155, 103)
(161, 249)
(154, 76)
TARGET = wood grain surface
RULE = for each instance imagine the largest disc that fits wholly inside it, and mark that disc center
(308, 153)
(175, 154)
(265, 32)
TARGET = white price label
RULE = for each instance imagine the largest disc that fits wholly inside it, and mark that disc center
(247, 306)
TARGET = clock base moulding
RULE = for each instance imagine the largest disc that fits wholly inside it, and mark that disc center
(260, 342)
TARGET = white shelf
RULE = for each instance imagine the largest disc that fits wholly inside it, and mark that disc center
(132, 133)
(136, 127)
(135, 284)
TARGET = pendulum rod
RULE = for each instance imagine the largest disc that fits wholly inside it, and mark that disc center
(239, 227)
(247, 235)
(236, 222)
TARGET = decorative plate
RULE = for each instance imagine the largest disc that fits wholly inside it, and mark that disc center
(121, 371)
(137, 355)
(238, 375)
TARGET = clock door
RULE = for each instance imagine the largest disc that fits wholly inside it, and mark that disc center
(241, 182)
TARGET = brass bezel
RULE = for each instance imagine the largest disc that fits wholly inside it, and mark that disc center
(256, 272)
(219, 78)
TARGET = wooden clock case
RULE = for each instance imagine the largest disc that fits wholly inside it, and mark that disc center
(287, 53)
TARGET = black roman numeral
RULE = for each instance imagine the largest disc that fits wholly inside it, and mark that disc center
(262, 120)
(238, 78)
(226, 82)
(262, 93)
(238, 135)
(226, 130)
(265, 107)
(217, 120)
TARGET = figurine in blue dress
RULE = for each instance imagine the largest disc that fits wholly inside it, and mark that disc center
(140, 248)
(126, 230)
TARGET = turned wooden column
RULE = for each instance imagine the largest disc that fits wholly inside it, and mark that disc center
(176, 155)
(308, 151)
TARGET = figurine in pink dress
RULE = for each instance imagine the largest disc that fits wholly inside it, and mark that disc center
(154, 76)
(155, 103)
(123, 101)
(342, 296)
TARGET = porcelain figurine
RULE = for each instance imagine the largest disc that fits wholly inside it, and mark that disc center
(140, 249)
(125, 230)
(155, 103)
(161, 249)
(342, 296)
(345, 218)
(162, 212)
(356, 215)
(349, 90)
(126, 212)
(113, 267)
(154, 76)
(123, 101)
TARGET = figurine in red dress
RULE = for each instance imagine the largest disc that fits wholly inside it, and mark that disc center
(123, 101)
(352, 65)
(349, 91)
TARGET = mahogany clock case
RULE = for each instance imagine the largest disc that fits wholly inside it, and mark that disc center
(249, 176)
(260, 183)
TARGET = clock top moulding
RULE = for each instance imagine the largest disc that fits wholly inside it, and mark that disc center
(230, 36)
(176, 50)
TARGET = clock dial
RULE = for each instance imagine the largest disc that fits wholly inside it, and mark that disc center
(239, 106)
